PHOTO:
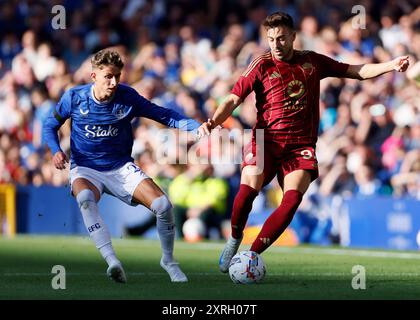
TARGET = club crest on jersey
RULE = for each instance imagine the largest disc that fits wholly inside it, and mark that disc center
(120, 111)
(308, 68)
(99, 131)
(307, 65)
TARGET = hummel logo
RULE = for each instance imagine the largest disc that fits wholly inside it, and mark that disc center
(275, 75)
(84, 112)
(266, 241)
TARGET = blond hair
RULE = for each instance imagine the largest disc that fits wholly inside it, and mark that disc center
(106, 57)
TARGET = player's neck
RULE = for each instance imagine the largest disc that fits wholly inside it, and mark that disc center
(288, 58)
(100, 97)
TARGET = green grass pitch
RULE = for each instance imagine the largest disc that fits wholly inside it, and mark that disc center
(304, 272)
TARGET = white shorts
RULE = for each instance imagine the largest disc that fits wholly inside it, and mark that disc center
(120, 183)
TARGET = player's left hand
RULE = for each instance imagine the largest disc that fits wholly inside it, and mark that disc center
(401, 63)
(60, 159)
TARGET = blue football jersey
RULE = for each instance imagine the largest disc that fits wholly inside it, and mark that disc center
(101, 133)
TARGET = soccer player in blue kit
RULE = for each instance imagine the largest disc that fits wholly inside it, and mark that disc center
(101, 145)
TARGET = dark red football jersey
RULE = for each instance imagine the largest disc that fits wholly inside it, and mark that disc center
(287, 93)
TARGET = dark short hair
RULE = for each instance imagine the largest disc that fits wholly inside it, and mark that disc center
(105, 58)
(277, 19)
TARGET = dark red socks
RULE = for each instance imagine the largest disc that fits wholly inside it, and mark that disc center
(242, 206)
(278, 221)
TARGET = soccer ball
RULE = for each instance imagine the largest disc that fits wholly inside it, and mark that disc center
(247, 267)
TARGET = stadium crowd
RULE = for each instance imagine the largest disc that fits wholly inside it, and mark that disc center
(186, 55)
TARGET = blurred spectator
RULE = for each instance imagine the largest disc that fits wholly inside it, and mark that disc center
(338, 180)
(353, 40)
(366, 183)
(391, 32)
(407, 181)
(197, 194)
(45, 62)
(393, 150)
(75, 54)
(29, 47)
(43, 106)
(375, 126)
(309, 33)
(9, 47)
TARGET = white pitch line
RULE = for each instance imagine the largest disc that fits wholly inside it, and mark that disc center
(345, 251)
(327, 251)
(18, 274)
(352, 252)
(291, 274)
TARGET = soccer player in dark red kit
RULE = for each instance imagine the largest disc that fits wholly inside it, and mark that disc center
(286, 83)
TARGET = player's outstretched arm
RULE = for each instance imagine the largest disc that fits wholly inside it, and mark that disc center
(224, 110)
(166, 116)
(372, 70)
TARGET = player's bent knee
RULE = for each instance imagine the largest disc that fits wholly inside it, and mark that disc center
(252, 176)
(161, 207)
(85, 198)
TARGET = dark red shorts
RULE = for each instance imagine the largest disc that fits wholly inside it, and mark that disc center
(277, 157)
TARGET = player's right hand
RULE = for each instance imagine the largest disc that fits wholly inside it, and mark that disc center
(60, 159)
(401, 63)
(205, 129)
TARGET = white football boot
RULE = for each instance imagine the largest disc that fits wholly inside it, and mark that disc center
(116, 272)
(230, 249)
(174, 271)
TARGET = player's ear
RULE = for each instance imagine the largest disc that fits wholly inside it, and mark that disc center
(93, 76)
(294, 36)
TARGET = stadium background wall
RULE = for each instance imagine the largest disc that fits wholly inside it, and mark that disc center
(374, 222)
(7, 210)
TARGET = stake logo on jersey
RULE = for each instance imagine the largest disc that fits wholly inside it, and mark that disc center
(100, 131)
